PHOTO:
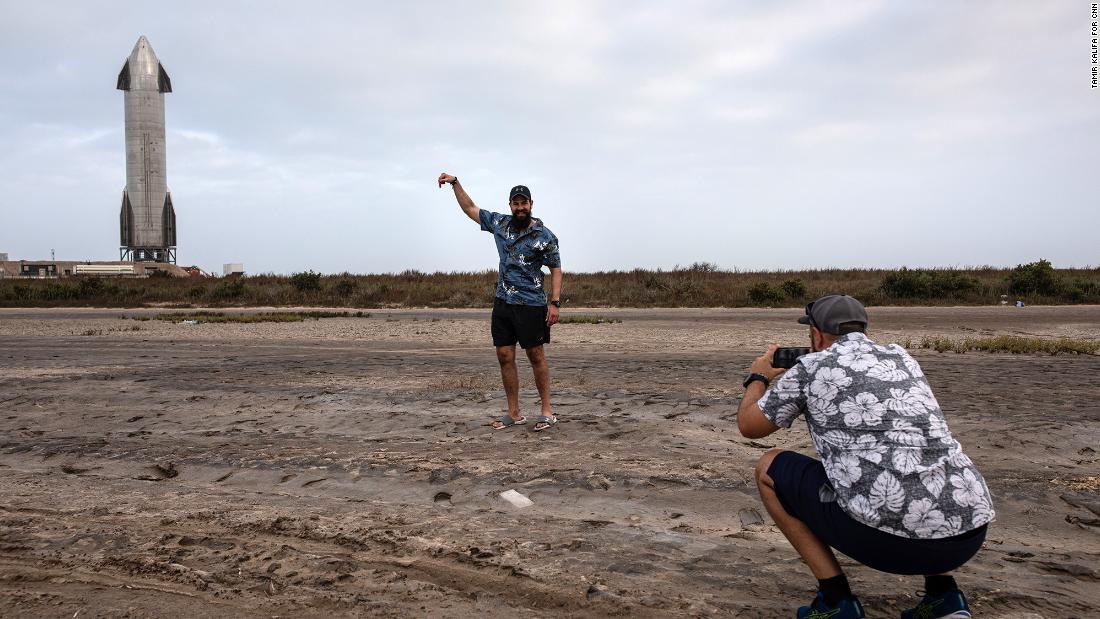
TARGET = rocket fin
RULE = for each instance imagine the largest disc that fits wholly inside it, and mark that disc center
(168, 221)
(164, 83)
(124, 77)
(126, 221)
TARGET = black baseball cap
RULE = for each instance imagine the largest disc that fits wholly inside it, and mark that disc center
(519, 190)
(833, 310)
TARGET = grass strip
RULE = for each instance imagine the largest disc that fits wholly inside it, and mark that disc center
(222, 317)
(1012, 344)
(586, 320)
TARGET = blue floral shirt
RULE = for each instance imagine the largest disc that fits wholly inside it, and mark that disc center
(522, 256)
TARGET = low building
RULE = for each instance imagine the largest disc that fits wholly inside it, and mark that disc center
(50, 269)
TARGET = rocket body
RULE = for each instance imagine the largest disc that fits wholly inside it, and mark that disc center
(147, 219)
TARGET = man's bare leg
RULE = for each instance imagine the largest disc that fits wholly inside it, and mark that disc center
(814, 552)
(537, 356)
(509, 375)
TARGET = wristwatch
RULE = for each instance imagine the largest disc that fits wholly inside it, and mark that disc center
(556, 304)
(756, 377)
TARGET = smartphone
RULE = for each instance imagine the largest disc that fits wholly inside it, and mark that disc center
(786, 357)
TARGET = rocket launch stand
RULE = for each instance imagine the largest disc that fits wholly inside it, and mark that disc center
(147, 254)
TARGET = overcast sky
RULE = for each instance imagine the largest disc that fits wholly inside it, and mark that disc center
(754, 135)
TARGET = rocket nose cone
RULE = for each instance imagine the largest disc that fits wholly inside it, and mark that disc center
(143, 59)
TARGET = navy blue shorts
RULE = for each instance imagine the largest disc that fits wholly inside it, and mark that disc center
(798, 480)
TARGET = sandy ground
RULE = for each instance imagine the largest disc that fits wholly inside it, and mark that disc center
(345, 467)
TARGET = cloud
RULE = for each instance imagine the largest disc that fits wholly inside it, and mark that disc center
(746, 113)
(831, 133)
(653, 134)
(950, 80)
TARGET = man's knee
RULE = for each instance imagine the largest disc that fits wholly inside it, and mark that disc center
(765, 463)
(536, 354)
(506, 355)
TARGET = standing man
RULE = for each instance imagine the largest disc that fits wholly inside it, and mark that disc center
(520, 311)
(893, 489)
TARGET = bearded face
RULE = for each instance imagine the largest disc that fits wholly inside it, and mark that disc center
(521, 211)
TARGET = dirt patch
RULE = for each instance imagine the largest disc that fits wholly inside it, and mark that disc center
(345, 467)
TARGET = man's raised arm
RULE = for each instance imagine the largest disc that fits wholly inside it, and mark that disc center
(464, 201)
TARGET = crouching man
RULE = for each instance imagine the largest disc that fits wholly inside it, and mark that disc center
(893, 490)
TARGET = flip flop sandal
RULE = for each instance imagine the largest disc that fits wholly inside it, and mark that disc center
(507, 422)
(545, 422)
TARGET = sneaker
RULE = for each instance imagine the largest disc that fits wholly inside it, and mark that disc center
(847, 609)
(950, 605)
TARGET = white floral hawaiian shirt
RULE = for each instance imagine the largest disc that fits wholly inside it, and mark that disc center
(883, 440)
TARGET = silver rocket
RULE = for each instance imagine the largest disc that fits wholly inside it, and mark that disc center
(147, 221)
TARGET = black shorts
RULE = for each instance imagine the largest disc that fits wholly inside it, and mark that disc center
(525, 324)
(798, 480)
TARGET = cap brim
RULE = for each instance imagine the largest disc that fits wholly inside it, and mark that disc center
(804, 320)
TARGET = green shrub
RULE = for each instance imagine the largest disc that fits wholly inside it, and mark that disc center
(908, 283)
(703, 267)
(794, 289)
(307, 281)
(344, 287)
(1035, 278)
(1081, 291)
(89, 287)
(763, 293)
(654, 281)
(229, 289)
(58, 291)
(21, 292)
